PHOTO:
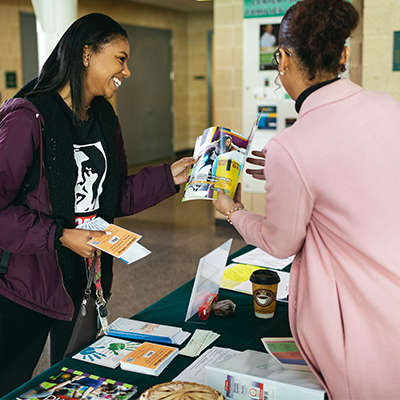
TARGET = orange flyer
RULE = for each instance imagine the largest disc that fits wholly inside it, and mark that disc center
(117, 243)
(149, 358)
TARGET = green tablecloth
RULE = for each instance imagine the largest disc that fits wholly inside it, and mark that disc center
(241, 331)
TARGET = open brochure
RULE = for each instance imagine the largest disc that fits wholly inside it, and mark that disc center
(222, 153)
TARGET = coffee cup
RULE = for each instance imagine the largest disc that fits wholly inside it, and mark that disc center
(265, 286)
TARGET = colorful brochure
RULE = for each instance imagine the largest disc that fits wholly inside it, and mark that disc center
(222, 153)
(71, 384)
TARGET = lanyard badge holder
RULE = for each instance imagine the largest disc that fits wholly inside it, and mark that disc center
(100, 302)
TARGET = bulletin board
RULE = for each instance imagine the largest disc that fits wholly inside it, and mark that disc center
(262, 88)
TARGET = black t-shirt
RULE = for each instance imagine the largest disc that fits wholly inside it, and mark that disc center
(90, 155)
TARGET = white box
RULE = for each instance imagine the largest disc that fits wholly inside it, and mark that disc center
(255, 375)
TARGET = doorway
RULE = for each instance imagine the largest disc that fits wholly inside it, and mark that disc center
(29, 48)
(145, 100)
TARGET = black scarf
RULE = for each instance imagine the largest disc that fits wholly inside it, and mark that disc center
(61, 174)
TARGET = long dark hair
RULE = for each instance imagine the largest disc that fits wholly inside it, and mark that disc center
(65, 62)
(316, 31)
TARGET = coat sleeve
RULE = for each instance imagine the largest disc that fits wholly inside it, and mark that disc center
(145, 189)
(288, 207)
(22, 231)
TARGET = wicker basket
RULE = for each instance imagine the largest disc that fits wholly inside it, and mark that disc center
(181, 391)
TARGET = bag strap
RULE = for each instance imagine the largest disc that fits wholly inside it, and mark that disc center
(85, 328)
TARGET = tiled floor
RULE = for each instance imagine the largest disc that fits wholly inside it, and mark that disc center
(178, 235)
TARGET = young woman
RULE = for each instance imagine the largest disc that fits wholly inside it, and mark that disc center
(332, 198)
(64, 117)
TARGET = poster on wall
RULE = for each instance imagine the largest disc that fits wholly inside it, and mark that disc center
(268, 119)
(268, 44)
(266, 8)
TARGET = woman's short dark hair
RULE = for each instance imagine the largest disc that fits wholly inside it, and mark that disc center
(316, 31)
(65, 63)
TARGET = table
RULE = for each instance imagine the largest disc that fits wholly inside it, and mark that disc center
(240, 332)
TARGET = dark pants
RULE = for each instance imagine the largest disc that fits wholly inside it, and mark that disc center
(23, 335)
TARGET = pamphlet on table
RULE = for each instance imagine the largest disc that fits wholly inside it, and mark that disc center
(139, 330)
(72, 384)
(107, 351)
(149, 358)
(285, 351)
(221, 154)
(120, 243)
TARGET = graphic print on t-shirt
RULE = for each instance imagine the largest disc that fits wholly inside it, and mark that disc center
(92, 168)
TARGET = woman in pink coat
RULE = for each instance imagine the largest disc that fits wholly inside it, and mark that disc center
(333, 199)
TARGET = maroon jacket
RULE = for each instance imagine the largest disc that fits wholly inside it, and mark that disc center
(34, 278)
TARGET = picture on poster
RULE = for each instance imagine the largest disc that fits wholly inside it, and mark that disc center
(268, 118)
(268, 44)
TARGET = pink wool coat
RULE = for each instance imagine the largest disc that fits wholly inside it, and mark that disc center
(333, 198)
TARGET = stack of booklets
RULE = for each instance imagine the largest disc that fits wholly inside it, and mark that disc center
(139, 330)
(149, 358)
(72, 384)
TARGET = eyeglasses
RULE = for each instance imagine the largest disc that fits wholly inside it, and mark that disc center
(276, 55)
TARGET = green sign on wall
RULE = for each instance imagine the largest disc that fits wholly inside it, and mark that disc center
(396, 51)
(266, 8)
(11, 80)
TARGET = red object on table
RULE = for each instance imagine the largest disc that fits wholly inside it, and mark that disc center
(206, 308)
